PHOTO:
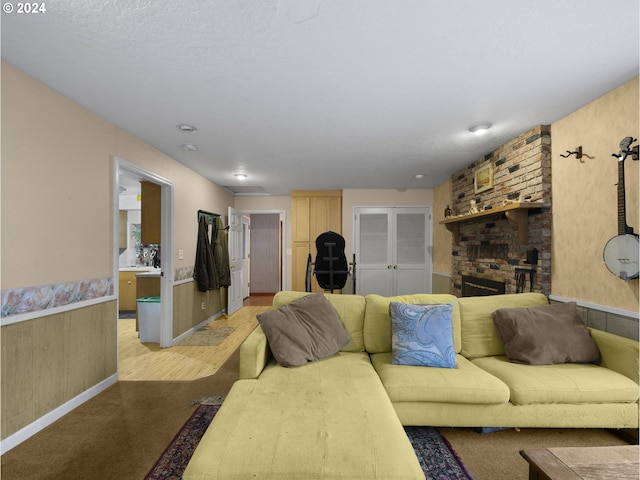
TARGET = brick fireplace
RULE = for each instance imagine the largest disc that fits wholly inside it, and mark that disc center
(491, 245)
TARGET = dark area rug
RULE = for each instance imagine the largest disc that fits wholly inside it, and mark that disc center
(175, 458)
(436, 457)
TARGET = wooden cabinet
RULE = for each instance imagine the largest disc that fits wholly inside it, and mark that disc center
(151, 207)
(313, 212)
(127, 291)
(122, 229)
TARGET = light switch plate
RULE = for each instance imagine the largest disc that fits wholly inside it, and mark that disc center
(180, 254)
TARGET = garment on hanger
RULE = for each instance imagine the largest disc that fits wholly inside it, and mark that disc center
(221, 254)
(204, 272)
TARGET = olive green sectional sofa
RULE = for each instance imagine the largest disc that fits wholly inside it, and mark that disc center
(342, 417)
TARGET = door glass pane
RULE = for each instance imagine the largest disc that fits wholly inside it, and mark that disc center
(374, 229)
(410, 238)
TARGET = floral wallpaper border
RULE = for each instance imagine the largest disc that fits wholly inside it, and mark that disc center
(32, 299)
(183, 273)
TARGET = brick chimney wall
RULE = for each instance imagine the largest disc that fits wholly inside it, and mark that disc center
(490, 245)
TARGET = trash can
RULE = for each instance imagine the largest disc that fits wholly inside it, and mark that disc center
(149, 319)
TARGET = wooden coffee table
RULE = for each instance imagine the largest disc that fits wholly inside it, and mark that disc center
(585, 463)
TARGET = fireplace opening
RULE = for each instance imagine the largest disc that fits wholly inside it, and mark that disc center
(477, 284)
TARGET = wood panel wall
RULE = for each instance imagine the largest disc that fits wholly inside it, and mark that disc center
(50, 360)
(187, 306)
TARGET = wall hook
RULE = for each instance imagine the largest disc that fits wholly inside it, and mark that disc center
(577, 153)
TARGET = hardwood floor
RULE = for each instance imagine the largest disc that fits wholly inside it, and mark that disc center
(139, 362)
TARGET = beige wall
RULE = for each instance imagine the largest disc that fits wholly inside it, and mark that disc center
(584, 198)
(57, 165)
(57, 227)
(376, 197)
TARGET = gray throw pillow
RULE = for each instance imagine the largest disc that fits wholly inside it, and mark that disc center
(545, 335)
(304, 330)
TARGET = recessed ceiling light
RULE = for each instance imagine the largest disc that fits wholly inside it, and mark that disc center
(419, 176)
(480, 129)
(189, 147)
(185, 127)
(241, 176)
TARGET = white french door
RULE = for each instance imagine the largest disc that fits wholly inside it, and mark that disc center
(393, 246)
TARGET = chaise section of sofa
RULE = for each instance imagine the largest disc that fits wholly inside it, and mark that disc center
(328, 419)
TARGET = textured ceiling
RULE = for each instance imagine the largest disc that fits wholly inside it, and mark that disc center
(312, 94)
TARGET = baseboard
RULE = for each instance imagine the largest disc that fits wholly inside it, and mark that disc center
(192, 330)
(26, 432)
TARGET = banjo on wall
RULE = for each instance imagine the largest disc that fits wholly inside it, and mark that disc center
(622, 251)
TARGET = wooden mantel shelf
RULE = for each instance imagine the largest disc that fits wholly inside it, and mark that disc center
(517, 212)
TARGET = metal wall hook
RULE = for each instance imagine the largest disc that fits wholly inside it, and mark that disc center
(578, 153)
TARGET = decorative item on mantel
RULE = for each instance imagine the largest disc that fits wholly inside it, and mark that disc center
(447, 212)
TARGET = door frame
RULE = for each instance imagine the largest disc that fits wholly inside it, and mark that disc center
(283, 233)
(428, 239)
(167, 241)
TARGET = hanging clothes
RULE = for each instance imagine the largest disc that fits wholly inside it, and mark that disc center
(221, 254)
(204, 271)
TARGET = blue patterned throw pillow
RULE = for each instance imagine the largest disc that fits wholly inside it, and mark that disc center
(422, 335)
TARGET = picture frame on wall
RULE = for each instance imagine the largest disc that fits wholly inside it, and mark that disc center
(483, 178)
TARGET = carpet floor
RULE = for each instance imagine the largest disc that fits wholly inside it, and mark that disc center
(435, 455)
(123, 431)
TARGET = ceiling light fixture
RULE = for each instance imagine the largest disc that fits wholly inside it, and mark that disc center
(185, 127)
(189, 147)
(241, 176)
(480, 129)
(419, 176)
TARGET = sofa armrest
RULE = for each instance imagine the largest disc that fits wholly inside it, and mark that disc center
(618, 353)
(254, 354)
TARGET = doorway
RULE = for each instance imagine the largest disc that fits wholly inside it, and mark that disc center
(263, 246)
(122, 167)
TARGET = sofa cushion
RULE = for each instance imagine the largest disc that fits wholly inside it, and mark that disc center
(422, 335)
(330, 419)
(561, 383)
(466, 384)
(377, 324)
(350, 309)
(545, 335)
(479, 336)
(305, 330)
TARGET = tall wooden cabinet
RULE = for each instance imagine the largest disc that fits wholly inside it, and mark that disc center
(313, 212)
(151, 205)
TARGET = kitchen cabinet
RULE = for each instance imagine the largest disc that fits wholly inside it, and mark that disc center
(122, 229)
(313, 212)
(127, 291)
(151, 206)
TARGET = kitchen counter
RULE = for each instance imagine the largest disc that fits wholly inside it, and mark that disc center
(154, 272)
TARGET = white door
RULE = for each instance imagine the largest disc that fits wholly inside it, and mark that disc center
(392, 250)
(246, 255)
(235, 240)
(412, 265)
(373, 252)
